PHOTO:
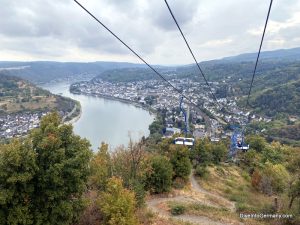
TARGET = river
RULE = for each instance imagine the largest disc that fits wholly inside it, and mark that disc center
(106, 120)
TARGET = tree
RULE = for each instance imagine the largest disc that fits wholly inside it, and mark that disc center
(179, 158)
(294, 192)
(202, 153)
(63, 168)
(100, 168)
(159, 179)
(276, 175)
(117, 204)
(257, 143)
(43, 177)
(131, 165)
(251, 159)
(157, 126)
(273, 153)
(17, 170)
(219, 152)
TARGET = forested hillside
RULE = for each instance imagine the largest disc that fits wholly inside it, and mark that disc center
(283, 98)
(18, 95)
(132, 74)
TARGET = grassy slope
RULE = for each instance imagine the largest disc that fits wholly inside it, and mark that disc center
(235, 185)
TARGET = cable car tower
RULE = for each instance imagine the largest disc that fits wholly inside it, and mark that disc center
(185, 140)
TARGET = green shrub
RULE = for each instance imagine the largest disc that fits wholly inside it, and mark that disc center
(220, 170)
(268, 208)
(201, 171)
(180, 161)
(177, 210)
(179, 183)
(246, 176)
(241, 187)
(230, 183)
(237, 197)
(117, 204)
(228, 191)
(159, 179)
(241, 207)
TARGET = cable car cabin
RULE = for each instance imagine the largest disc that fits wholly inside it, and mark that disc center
(242, 146)
(184, 141)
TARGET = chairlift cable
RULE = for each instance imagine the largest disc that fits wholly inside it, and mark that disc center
(136, 54)
(255, 67)
(187, 44)
(258, 54)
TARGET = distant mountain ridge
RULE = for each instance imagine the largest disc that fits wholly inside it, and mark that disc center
(280, 54)
(45, 71)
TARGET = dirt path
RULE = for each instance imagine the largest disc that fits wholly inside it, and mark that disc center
(196, 195)
(196, 187)
(153, 203)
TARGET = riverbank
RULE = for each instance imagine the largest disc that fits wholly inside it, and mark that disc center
(106, 120)
(136, 104)
(76, 118)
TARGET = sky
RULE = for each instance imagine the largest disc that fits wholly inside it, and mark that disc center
(59, 30)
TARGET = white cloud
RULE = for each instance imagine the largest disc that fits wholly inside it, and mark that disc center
(60, 30)
(216, 43)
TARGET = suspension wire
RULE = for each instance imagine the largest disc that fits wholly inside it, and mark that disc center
(187, 44)
(255, 67)
(137, 55)
(254, 72)
(258, 54)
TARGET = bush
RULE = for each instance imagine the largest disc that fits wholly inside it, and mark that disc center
(139, 191)
(228, 191)
(238, 198)
(274, 178)
(179, 183)
(117, 204)
(201, 171)
(177, 210)
(268, 208)
(219, 153)
(242, 207)
(246, 176)
(159, 179)
(180, 161)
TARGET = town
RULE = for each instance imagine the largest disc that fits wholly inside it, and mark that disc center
(20, 124)
(206, 118)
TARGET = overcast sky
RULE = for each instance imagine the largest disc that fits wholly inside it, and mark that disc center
(60, 30)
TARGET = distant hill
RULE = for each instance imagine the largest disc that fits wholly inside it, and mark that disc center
(280, 54)
(43, 72)
(18, 95)
(133, 74)
(240, 65)
(283, 98)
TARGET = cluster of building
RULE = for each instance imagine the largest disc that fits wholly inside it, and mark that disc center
(159, 96)
(17, 125)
